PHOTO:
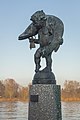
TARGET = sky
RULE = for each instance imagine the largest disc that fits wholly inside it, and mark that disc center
(17, 60)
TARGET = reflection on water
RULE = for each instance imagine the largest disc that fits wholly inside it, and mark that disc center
(13, 111)
(71, 110)
(19, 111)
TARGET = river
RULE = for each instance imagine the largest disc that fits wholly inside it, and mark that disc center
(19, 111)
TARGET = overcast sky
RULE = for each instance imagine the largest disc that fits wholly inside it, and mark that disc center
(17, 60)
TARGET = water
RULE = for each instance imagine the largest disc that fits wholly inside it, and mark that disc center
(13, 111)
(71, 110)
(19, 111)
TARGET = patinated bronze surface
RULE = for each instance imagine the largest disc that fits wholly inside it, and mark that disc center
(50, 32)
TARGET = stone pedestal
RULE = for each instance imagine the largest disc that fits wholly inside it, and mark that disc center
(45, 102)
(44, 77)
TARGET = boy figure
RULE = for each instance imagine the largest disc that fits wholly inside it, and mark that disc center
(50, 31)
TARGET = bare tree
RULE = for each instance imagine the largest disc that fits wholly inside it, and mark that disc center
(71, 89)
(23, 93)
(11, 88)
(2, 89)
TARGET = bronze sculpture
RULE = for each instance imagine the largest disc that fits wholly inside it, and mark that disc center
(44, 94)
(50, 32)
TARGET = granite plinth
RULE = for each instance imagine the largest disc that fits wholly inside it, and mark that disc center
(47, 106)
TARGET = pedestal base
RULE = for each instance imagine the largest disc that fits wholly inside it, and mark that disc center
(45, 102)
(44, 77)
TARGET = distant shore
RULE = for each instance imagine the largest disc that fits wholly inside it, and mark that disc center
(70, 99)
(13, 100)
(27, 100)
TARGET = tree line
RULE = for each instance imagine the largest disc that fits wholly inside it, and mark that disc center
(71, 91)
(9, 89)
